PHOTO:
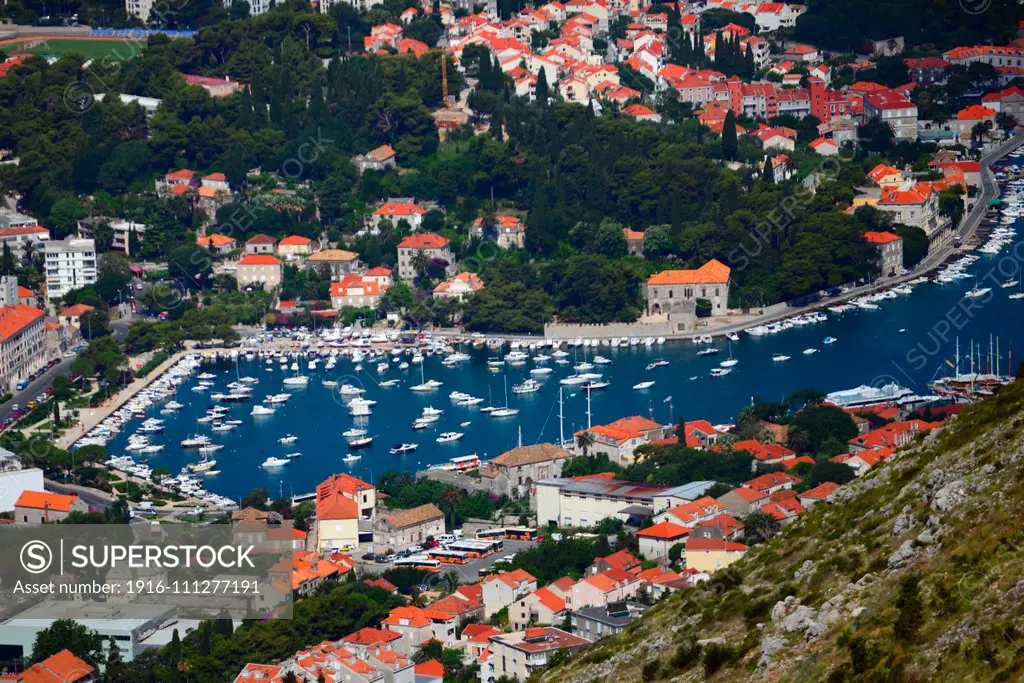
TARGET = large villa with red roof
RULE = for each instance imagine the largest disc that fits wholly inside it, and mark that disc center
(675, 293)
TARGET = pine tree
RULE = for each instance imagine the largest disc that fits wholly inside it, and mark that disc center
(133, 241)
(730, 145)
(7, 265)
(768, 174)
(748, 64)
(174, 649)
(56, 413)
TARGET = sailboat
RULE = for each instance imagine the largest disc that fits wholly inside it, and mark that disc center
(732, 361)
(1018, 294)
(424, 385)
(505, 411)
(976, 291)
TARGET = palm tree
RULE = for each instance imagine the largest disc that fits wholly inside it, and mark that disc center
(450, 500)
(420, 262)
(762, 524)
(798, 439)
(584, 440)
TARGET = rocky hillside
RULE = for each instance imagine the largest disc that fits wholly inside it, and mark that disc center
(916, 573)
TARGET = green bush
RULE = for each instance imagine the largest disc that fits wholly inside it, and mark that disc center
(716, 656)
(152, 364)
(686, 655)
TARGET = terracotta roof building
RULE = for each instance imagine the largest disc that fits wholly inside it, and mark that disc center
(62, 667)
(677, 293)
(341, 502)
(520, 467)
(38, 507)
(431, 246)
(402, 529)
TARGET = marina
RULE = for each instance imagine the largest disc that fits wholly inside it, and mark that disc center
(251, 407)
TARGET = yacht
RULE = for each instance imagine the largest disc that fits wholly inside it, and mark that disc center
(831, 340)
(504, 412)
(709, 351)
(261, 410)
(779, 358)
(449, 437)
(541, 371)
(350, 390)
(277, 398)
(572, 380)
(296, 381)
(430, 410)
(328, 383)
(977, 292)
(195, 441)
(593, 385)
(732, 336)
(528, 387)
(360, 442)
(720, 372)
(810, 351)
(353, 433)
(275, 462)
(352, 458)
(288, 439)
(643, 385)
(294, 455)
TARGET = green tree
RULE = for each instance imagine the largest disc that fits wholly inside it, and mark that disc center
(68, 634)
(730, 145)
(910, 609)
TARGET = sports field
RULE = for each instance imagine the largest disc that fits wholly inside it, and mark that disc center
(112, 49)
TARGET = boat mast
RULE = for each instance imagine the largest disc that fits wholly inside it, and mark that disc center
(588, 408)
(561, 419)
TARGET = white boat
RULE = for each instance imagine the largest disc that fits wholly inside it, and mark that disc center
(449, 437)
(430, 410)
(352, 458)
(223, 427)
(360, 442)
(261, 410)
(594, 385)
(720, 372)
(275, 462)
(528, 387)
(1009, 283)
(1018, 295)
(382, 367)
(541, 371)
(202, 466)
(710, 351)
(420, 424)
(389, 383)
(427, 419)
(831, 340)
(297, 381)
(504, 412)
(780, 358)
(977, 292)
(643, 385)
(465, 424)
(210, 448)
(572, 380)
(195, 441)
(289, 439)
(277, 398)
(732, 336)
(294, 455)
(328, 383)
(810, 351)
(353, 433)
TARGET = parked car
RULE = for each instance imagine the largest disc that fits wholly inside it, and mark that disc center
(370, 557)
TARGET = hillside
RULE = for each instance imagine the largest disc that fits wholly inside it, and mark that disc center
(913, 574)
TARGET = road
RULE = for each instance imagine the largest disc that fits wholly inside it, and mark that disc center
(467, 573)
(35, 387)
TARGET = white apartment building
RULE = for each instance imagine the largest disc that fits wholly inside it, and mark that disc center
(18, 230)
(70, 265)
(139, 9)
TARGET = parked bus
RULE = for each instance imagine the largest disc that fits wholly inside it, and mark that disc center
(485, 534)
(473, 549)
(418, 562)
(521, 534)
(448, 556)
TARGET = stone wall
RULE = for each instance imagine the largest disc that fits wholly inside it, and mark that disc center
(638, 329)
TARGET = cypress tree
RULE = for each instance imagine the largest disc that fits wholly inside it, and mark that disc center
(768, 175)
(541, 89)
(730, 144)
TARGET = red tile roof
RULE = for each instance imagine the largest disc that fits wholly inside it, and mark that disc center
(821, 491)
(371, 636)
(334, 497)
(712, 272)
(876, 237)
(14, 319)
(975, 112)
(770, 480)
(430, 668)
(423, 240)
(259, 260)
(714, 544)
(63, 667)
(294, 241)
(664, 531)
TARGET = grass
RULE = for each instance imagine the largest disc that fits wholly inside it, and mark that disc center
(111, 50)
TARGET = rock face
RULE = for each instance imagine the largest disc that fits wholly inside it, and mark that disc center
(800, 619)
(949, 496)
(769, 646)
(904, 554)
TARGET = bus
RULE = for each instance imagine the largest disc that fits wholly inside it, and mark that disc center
(448, 556)
(521, 534)
(421, 562)
(489, 534)
(473, 549)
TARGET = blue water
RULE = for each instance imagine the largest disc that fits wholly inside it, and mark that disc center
(870, 350)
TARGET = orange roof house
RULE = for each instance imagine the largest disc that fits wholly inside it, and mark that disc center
(764, 452)
(424, 240)
(712, 272)
(665, 531)
(876, 237)
(259, 260)
(216, 241)
(975, 112)
(43, 500)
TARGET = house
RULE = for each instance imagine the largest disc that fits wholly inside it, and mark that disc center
(394, 211)
(259, 270)
(824, 147)
(20, 237)
(765, 453)
(885, 176)
(62, 667)
(634, 242)
(916, 204)
(417, 625)
(402, 529)
(890, 252)
(260, 244)
(72, 315)
(217, 243)
(892, 435)
(895, 110)
(459, 287)
(217, 87)
(383, 584)
(501, 590)
(379, 159)
(723, 526)
(542, 606)
(430, 671)
(585, 502)
(307, 571)
(692, 513)
(711, 554)
(620, 439)
(42, 507)
(680, 291)
(425, 246)
(356, 292)
(974, 115)
(926, 70)
(862, 461)
(594, 623)
(519, 468)
(807, 54)
(779, 138)
(518, 655)
(1009, 101)
(334, 263)
(465, 604)
(342, 501)
(741, 501)
(508, 232)
(601, 589)
(642, 112)
(296, 246)
(656, 541)
(784, 510)
(771, 482)
(822, 493)
(620, 560)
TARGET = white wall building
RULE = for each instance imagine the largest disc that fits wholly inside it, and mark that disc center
(70, 264)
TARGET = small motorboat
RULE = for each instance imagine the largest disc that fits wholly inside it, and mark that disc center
(403, 448)
(261, 410)
(287, 440)
(353, 433)
(449, 437)
(710, 351)
(831, 340)
(810, 352)
(294, 455)
(352, 458)
(780, 358)
(275, 462)
(465, 424)
(720, 372)
(643, 385)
